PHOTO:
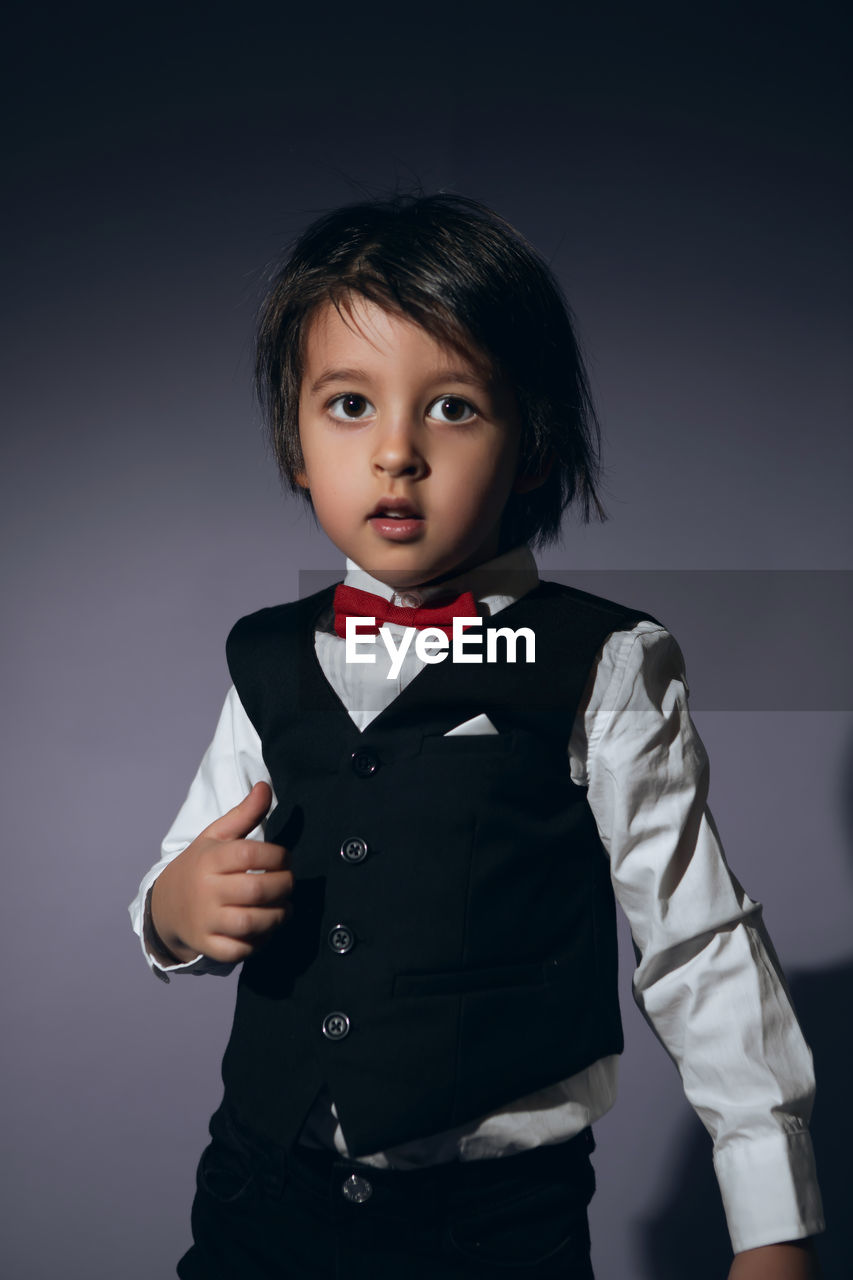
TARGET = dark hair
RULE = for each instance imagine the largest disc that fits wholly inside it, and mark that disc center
(469, 279)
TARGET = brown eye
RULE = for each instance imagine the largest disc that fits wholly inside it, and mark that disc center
(452, 409)
(351, 407)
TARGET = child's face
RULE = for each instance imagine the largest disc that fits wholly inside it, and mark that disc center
(394, 424)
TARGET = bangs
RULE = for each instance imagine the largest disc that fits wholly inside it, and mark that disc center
(441, 325)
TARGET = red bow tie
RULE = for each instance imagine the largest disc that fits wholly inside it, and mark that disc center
(352, 603)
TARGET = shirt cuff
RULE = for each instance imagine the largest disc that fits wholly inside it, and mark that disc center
(160, 967)
(769, 1189)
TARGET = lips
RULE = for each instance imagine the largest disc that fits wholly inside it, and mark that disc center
(396, 520)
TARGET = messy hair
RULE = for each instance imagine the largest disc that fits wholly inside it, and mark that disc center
(457, 269)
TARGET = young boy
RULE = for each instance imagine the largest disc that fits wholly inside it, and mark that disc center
(427, 1022)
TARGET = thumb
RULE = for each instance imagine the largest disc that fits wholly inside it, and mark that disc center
(244, 817)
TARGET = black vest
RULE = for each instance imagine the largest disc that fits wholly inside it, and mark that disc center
(453, 943)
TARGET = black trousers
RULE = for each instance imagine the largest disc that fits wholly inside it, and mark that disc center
(263, 1212)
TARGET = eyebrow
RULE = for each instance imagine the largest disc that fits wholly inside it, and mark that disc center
(359, 375)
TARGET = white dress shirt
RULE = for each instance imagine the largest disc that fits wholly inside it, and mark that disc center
(706, 980)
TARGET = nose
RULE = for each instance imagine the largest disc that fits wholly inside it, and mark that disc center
(397, 452)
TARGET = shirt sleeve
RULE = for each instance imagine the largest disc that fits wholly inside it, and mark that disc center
(230, 767)
(707, 979)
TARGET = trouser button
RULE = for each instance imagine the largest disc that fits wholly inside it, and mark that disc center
(356, 1189)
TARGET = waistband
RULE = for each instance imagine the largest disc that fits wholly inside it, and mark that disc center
(455, 1181)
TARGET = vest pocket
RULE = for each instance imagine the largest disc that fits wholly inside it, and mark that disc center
(461, 982)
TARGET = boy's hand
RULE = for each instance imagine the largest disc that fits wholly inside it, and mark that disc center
(204, 903)
(794, 1261)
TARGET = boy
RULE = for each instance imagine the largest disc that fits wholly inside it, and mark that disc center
(426, 1021)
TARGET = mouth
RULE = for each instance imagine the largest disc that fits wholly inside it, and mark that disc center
(396, 519)
(400, 508)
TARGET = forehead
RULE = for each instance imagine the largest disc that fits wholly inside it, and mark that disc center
(378, 338)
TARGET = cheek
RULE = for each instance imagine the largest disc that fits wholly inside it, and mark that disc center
(474, 503)
(335, 499)
(319, 468)
(498, 476)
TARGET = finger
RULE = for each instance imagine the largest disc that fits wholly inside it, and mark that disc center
(273, 889)
(244, 817)
(251, 855)
(246, 924)
(227, 950)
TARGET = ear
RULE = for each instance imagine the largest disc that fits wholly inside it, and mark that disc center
(301, 478)
(526, 481)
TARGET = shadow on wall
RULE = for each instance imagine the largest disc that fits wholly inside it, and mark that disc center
(688, 1236)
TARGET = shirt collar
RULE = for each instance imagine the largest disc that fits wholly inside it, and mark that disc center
(495, 584)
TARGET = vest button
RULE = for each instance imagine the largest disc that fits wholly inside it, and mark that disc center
(335, 1026)
(354, 849)
(356, 1189)
(341, 939)
(364, 763)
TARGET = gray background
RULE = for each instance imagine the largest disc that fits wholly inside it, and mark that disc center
(684, 176)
